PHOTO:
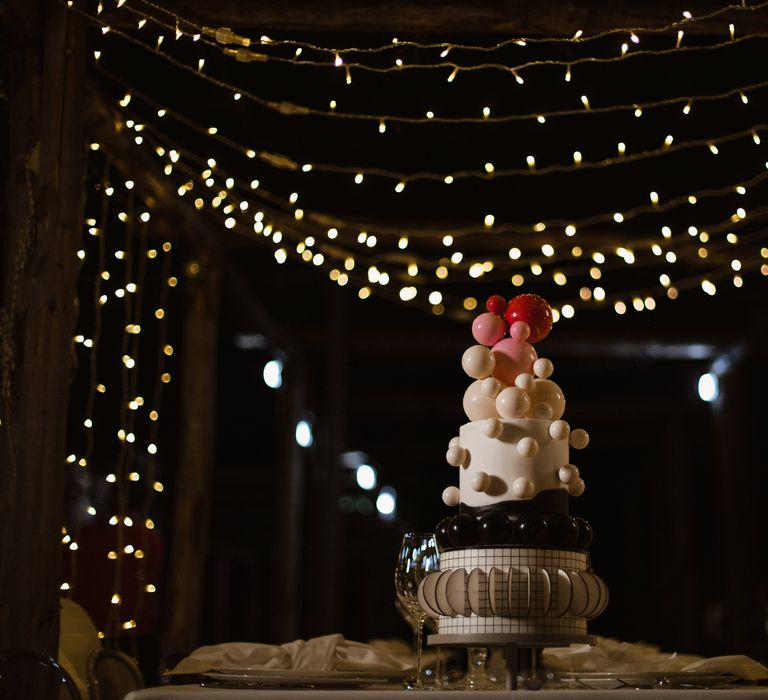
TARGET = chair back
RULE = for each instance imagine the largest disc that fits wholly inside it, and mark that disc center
(112, 675)
(31, 674)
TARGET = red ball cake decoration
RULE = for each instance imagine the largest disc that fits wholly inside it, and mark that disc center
(533, 310)
(496, 304)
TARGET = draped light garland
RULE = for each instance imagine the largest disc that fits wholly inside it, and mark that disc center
(358, 264)
(370, 254)
(484, 114)
(124, 265)
(489, 172)
(226, 36)
(246, 55)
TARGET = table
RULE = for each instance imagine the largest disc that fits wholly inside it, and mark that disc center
(195, 692)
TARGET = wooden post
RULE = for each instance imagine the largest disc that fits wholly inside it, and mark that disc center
(285, 564)
(737, 475)
(323, 603)
(41, 235)
(190, 530)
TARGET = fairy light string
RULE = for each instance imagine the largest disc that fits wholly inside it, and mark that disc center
(366, 233)
(560, 225)
(125, 270)
(365, 290)
(226, 36)
(288, 108)
(339, 254)
(244, 54)
(293, 163)
(94, 386)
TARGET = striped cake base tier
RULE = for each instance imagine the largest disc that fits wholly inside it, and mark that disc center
(531, 592)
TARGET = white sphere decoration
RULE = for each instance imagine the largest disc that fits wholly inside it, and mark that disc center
(480, 481)
(476, 404)
(512, 403)
(478, 361)
(454, 441)
(559, 430)
(543, 410)
(451, 496)
(568, 473)
(524, 381)
(456, 456)
(491, 387)
(492, 427)
(546, 391)
(527, 447)
(579, 439)
(522, 487)
(543, 368)
(577, 487)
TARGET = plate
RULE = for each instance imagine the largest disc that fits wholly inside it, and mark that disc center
(648, 679)
(289, 678)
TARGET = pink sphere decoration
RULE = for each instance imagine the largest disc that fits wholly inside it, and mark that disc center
(488, 328)
(519, 330)
(513, 357)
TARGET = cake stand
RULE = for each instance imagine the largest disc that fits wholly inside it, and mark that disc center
(528, 646)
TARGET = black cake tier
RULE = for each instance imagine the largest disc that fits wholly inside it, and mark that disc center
(542, 521)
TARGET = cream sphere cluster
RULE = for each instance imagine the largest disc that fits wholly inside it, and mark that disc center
(513, 402)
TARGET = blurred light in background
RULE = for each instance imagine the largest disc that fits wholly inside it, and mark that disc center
(273, 374)
(709, 387)
(304, 436)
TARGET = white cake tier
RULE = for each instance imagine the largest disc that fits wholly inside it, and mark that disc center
(512, 459)
(518, 591)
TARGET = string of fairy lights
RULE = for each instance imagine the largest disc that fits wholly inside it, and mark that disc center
(225, 35)
(236, 208)
(489, 171)
(244, 54)
(568, 228)
(117, 462)
(183, 26)
(484, 114)
(420, 262)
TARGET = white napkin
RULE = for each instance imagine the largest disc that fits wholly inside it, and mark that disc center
(612, 656)
(329, 653)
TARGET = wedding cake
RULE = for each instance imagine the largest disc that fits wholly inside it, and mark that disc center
(514, 567)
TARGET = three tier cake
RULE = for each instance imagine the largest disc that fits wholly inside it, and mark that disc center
(514, 567)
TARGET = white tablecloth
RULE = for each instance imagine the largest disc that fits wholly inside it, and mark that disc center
(194, 692)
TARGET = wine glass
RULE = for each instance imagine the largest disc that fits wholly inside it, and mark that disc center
(418, 556)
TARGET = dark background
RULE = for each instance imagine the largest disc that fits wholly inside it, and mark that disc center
(674, 485)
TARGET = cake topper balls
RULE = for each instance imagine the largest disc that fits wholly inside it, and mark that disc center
(512, 403)
(496, 304)
(478, 405)
(547, 400)
(488, 328)
(513, 357)
(478, 361)
(519, 330)
(543, 368)
(532, 309)
(525, 381)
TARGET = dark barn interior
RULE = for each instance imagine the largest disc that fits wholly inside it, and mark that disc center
(232, 274)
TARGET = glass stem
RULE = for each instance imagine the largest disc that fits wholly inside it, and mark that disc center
(419, 630)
